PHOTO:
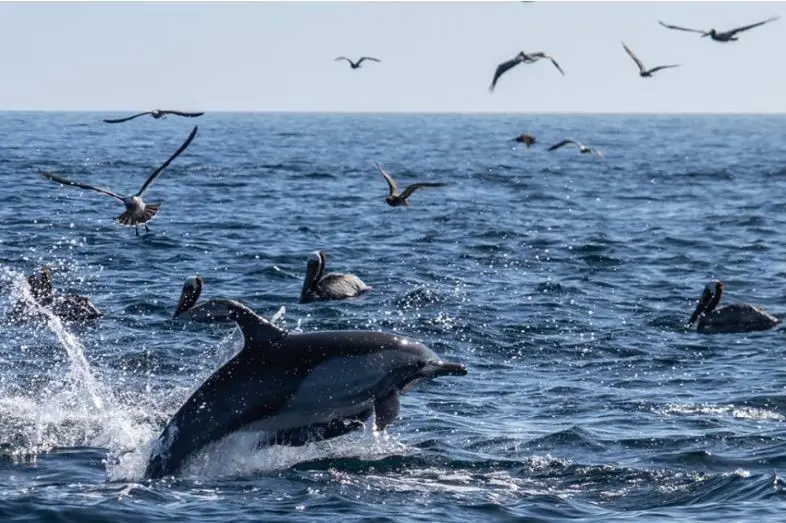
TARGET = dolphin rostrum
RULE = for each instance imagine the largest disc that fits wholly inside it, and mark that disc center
(294, 387)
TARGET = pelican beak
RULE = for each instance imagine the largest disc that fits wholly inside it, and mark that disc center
(182, 306)
(706, 296)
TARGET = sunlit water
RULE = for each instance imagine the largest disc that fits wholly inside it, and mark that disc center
(563, 283)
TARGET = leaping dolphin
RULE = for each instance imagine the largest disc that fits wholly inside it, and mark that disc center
(296, 387)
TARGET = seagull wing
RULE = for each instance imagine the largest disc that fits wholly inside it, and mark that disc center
(562, 144)
(158, 171)
(119, 120)
(746, 27)
(344, 58)
(391, 182)
(678, 28)
(415, 186)
(501, 69)
(181, 113)
(635, 58)
(66, 181)
(553, 61)
(663, 67)
(362, 58)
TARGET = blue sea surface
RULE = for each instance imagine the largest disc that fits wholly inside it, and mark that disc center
(563, 282)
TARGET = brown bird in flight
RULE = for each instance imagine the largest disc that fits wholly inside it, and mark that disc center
(137, 211)
(720, 36)
(526, 139)
(156, 113)
(521, 58)
(355, 65)
(396, 198)
(643, 71)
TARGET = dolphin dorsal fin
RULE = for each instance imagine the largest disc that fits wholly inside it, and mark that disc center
(255, 328)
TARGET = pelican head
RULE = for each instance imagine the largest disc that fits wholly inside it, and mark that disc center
(315, 267)
(710, 297)
(192, 288)
(41, 283)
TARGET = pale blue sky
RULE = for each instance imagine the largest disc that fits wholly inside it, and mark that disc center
(436, 56)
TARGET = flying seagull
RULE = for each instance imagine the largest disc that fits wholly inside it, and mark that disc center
(156, 113)
(521, 58)
(355, 65)
(583, 149)
(137, 211)
(643, 71)
(724, 36)
(396, 198)
(526, 139)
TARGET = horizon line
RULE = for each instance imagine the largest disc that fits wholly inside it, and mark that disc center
(425, 112)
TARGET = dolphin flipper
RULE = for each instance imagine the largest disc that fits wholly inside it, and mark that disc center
(386, 410)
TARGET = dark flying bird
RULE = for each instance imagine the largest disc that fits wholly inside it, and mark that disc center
(724, 36)
(583, 149)
(355, 65)
(137, 211)
(643, 71)
(157, 113)
(526, 139)
(736, 317)
(521, 58)
(396, 198)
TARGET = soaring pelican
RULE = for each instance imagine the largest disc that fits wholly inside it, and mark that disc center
(332, 286)
(356, 65)
(643, 71)
(521, 58)
(526, 139)
(736, 317)
(156, 113)
(137, 211)
(718, 36)
(69, 307)
(583, 149)
(396, 198)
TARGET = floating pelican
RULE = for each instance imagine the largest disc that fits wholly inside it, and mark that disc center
(208, 311)
(69, 307)
(356, 65)
(156, 113)
(526, 139)
(521, 58)
(318, 286)
(583, 149)
(736, 317)
(724, 36)
(396, 198)
(643, 71)
(137, 211)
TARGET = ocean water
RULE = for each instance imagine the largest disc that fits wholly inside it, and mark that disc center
(563, 282)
